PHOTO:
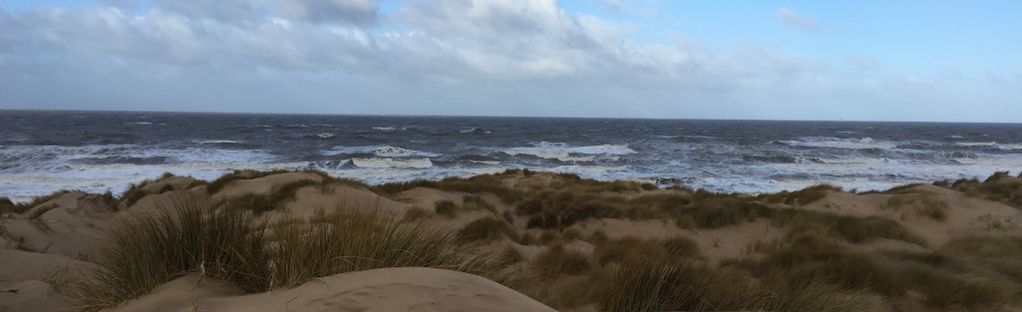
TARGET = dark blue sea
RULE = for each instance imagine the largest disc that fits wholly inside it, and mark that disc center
(41, 152)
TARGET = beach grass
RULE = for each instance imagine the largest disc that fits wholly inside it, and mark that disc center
(821, 261)
(227, 242)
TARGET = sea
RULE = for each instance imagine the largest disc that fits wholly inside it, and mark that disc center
(45, 151)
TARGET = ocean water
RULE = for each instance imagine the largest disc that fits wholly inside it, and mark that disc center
(41, 152)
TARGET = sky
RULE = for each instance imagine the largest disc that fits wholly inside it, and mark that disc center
(939, 60)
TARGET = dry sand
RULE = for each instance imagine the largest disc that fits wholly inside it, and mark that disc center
(70, 227)
(391, 289)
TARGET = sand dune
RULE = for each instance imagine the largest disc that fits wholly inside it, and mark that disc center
(392, 289)
(54, 241)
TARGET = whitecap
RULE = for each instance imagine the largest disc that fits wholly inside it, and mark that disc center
(474, 130)
(976, 144)
(384, 128)
(139, 123)
(993, 145)
(839, 143)
(218, 142)
(322, 135)
(378, 150)
(379, 163)
(564, 152)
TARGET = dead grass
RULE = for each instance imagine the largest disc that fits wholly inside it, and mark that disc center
(446, 209)
(919, 206)
(486, 228)
(848, 228)
(674, 250)
(802, 197)
(557, 260)
(21, 208)
(1000, 186)
(225, 242)
(6, 205)
(489, 183)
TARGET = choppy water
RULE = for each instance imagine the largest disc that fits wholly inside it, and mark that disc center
(41, 152)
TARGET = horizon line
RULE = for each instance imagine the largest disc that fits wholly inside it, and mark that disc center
(502, 116)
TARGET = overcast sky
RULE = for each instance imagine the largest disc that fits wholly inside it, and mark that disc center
(822, 60)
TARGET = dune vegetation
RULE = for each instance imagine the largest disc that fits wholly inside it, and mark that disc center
(571, 243)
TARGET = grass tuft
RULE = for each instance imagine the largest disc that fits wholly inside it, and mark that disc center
(446, 208)
(486, 228)
(558, 260)
(227, 243)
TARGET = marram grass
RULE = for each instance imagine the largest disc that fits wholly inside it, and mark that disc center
(228, 243)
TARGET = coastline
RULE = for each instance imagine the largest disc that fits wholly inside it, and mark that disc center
(567, 243)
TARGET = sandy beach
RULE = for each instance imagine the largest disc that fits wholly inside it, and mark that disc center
(518, 241)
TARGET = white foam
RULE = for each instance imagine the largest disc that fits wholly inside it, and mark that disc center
(567, 153)
(485, 162)
(219, 142)
(384, 128)
(41, 170)
(417, 163)
(474, 130)
(994, 145)
(139, 123)
(378, 150)
(839, 143)
(975, 144)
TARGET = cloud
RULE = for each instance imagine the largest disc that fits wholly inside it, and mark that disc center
(791, 18)
(361, 12)
(475, 57)
(862, 62)
(224, 10)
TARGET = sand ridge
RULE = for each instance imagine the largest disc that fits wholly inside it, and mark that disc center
(60, 234)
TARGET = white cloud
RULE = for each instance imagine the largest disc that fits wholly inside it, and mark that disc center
(794, 19)
(361, 12)
(223, 10)
(526, 57)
